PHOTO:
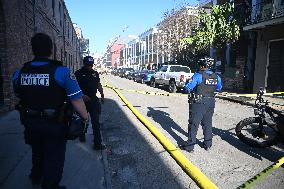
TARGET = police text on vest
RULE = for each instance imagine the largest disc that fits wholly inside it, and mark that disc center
(35, 79)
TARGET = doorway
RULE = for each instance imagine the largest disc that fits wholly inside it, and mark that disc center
(2, 49)
(275, 68)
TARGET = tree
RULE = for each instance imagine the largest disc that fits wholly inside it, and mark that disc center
(177, 24)
(216, 29)
(84, 46)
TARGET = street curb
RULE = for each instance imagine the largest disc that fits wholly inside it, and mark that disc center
(243, 102)
(235, 100)
(106, 170)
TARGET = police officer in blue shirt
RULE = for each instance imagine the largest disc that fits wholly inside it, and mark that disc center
(89, 82)
(201, 91)
(43, 86)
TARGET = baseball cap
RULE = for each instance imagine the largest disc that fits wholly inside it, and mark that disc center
(88, 60)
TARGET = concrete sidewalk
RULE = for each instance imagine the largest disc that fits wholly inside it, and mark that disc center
(84, 167)
(275, 101)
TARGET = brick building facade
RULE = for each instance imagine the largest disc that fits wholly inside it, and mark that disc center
(19, 21)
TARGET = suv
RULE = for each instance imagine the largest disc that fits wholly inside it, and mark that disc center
(172, 76)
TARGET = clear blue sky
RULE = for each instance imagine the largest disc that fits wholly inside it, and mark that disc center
(102, 20)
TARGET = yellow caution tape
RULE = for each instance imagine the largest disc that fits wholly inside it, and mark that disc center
(148, 93)
(176, 94)
(191, 170)
(251, 182)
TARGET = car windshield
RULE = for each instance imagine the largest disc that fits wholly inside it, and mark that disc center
(163, 69)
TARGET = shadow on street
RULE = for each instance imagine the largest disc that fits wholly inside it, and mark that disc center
(128, 162)
(168, 124)
(132, 161)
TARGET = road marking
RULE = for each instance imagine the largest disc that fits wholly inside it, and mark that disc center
(251, 182)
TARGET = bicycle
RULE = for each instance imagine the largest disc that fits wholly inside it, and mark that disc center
(263, 130)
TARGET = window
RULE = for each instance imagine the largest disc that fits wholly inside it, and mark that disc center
(68, 31)
(182, 69)
(60, 13)
(164, 69)
(65, 58)
(53, 6)
(173, 69)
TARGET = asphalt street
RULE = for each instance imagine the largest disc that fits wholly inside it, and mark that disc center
(134, 158)
(137, 159)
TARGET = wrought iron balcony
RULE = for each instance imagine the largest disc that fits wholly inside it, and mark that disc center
(264, 11)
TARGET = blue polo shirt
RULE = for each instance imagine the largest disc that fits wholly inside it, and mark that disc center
(197, 79)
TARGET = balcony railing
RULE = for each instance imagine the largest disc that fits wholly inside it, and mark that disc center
(264, 11)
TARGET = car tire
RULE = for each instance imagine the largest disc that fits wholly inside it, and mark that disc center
(172, 87)
(142, 81)
(152, 82)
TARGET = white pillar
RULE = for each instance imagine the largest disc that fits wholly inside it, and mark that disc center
(152, 44)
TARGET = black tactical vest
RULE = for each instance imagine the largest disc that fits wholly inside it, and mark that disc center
(88, 81)
(38, 89)
(208, 85)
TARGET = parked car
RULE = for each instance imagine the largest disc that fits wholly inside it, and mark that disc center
(148, 76)
(132, 74)
(120, 72)
(127, 71)
(139, 76)
(172, 76)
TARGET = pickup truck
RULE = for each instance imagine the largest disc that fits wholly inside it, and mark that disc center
(172, 76)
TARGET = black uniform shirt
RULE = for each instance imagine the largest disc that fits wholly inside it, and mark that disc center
(88, 80)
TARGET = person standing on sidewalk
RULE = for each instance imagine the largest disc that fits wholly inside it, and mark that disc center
(202, 103)
(89, 82)
(43, 86)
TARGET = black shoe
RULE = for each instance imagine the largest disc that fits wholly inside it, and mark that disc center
(207, 148)
(82, 138)
(189, 149)
(35, 181)
(99, 147)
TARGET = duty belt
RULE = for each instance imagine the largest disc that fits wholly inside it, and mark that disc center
(199, 96)
(47, 113)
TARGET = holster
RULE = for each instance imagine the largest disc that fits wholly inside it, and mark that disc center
(23, 113)
(194, 98)
(65, 113)
(190, 98)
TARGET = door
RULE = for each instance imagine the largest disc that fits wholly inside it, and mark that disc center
(2, 48)
(1, 85)
(275, 67)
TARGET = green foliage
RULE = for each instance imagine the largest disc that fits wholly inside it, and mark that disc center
(216, 29)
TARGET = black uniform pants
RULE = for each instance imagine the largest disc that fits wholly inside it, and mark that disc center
(47, 139)
(94, 109)
(201, 113)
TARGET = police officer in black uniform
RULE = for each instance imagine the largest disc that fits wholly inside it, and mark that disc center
(202, 102)
(89, 82)
(43, 86)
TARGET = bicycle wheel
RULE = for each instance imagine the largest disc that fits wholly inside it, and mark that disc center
(250, 133)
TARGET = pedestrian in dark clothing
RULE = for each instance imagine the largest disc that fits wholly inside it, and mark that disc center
(43, 86)
(202, 103)
(89, 82)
